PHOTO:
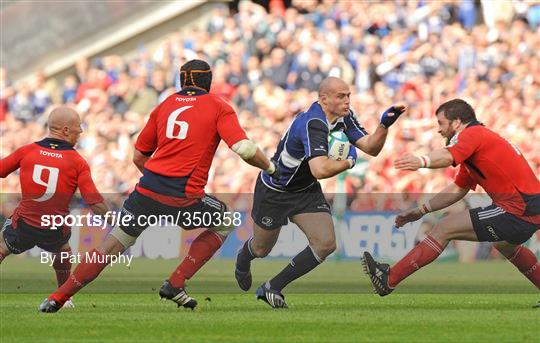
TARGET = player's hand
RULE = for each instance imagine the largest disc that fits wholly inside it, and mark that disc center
(408, 162)
(390, 116)
(408, 216)
(276, 175)
(352, 156)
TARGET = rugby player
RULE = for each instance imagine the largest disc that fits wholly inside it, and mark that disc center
(174, 152)
(296, 195)
(51, 170)
(485, 159)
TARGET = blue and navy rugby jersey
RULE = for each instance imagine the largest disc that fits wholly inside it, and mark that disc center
(307, 137)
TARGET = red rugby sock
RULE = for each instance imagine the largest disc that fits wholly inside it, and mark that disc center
(424, 253)
(201, 250)
(85, 273)
(62, 267)
(527, 263)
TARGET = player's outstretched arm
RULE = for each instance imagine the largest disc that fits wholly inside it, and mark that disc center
(448, 196)
(372, 144)
(440, 158)
(250, 153)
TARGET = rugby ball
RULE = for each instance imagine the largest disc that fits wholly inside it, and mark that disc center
(338, 146)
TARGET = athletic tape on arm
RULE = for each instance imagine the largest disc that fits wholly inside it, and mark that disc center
(245, 148)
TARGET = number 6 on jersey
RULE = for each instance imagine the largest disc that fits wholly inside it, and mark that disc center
(172, 123)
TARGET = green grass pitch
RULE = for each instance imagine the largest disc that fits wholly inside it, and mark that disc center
(487, 301)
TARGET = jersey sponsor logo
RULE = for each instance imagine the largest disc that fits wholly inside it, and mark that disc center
(186, 99)
(51, 154)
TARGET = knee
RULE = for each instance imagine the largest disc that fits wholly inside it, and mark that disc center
(440, 234)
(259, 249)
(324, 248)
(504, 248)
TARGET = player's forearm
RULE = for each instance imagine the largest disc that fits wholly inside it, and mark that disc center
(372, 144)
(440, 158)
(139, 159)
(328, 168)
(259, 160)
(448, 196)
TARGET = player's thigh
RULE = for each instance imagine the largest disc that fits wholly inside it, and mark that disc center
(318, 228)
(264, 240)
(494, 224)
(3, 247)
(137, 213)
(54, 241)
(208, 213)
(455, 226)
(271, 208)
(18, 240)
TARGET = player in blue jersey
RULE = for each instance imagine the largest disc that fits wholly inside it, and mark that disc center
(294, 192)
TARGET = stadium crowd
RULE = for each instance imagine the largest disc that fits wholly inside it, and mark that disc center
(269, 64)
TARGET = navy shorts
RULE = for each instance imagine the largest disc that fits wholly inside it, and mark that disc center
(206, 212)
(493, 224)
(272, 209)
(25, 237)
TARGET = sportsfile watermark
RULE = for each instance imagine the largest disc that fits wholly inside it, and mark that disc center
(360, 223)
(124, 218)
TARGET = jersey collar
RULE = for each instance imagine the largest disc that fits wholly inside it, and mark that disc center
(55, 144)
(474, 123)
(192, 91)
(319, 111)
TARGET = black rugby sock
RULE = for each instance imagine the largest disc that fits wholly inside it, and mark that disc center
(244, 257)
(300, 265)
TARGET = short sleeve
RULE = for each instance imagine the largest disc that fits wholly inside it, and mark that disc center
(87, 187)
(354, 130)
(147, 140)
(464, 144)
(315, 139)
(464, 179)
(228, 126)
(12, 162)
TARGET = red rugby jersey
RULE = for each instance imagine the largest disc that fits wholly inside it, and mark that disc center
(182, 135)
(50, 172)
(487, 159)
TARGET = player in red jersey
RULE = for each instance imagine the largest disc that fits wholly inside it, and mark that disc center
(51, 170)
(485, 159)
(174, 152)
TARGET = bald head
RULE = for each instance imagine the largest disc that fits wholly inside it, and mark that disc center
(331, 84)
(62, 116)
(334, 97)
(64, 123)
